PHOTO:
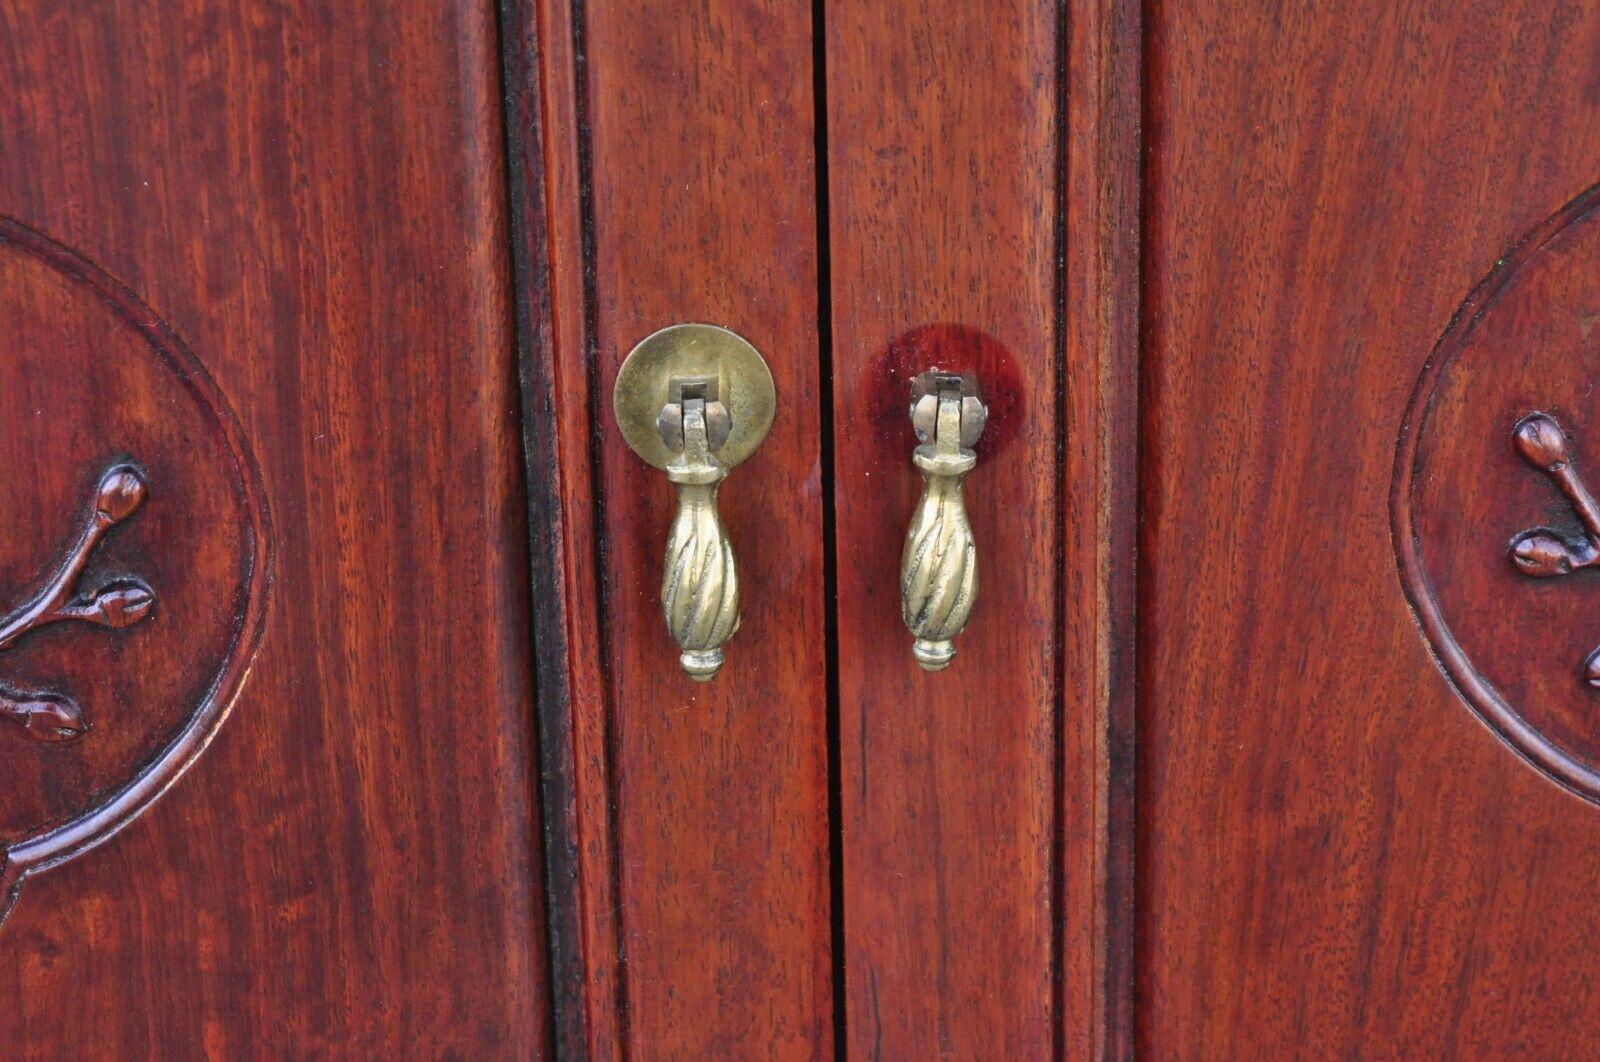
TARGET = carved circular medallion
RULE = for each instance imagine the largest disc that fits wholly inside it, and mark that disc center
(1497, 533)
(133, 565)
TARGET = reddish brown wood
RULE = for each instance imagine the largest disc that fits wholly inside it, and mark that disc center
(1490, 485)
(944, 209)
(154, 700)
(312, 197)
(559, 421)
(1099, 487)
(62, 598)
(1337, 856)
(698, 814)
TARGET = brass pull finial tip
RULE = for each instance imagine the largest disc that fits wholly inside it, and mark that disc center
(933, 655)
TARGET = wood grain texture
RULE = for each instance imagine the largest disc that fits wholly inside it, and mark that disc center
(1337, 858)
(1103, 76)
(549, 201)
(697, 813)
(943, 200)
(311, 195)
(116, 427)
(1491, 505)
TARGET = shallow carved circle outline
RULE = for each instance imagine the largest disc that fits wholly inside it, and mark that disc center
(95, 824)
(1501, 715)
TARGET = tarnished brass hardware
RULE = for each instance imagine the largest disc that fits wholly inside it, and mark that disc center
(939, 568)
(695, 400)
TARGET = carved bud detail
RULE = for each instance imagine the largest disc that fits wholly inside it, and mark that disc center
(121, 604)
(1542, 552)
(121, 492)
(1541, 442)
(45, 716)
(117, 604)
(1542, 555)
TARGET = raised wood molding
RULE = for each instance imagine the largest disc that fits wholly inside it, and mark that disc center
(546, 136)
(1102, 247)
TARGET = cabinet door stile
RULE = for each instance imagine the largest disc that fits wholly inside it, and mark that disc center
(692, 129)
(560, 418)
(1101, 256)
(943, 190)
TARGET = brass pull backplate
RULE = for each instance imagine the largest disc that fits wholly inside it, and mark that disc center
(694, 400)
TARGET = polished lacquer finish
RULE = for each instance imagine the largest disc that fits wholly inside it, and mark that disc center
(259, 449)
(663, 160)
(1250, 358)
(1363, 269)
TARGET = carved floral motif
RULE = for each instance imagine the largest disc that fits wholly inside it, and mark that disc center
(1543, 553)
(116, 604)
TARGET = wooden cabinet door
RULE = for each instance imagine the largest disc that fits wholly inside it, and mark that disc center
(1273, 730)
(982, 193)
(943, 257)
(258, 426)
(826, 850)
(1366, 741)
(663, 156)
(1273, 734)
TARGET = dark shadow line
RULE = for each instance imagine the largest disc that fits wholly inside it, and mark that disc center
(1058, 848)
(830, 567)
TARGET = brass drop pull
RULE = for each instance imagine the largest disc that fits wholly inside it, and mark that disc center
(939, 569)
(695, 400)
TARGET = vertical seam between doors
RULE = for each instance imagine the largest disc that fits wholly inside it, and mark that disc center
(830, 573)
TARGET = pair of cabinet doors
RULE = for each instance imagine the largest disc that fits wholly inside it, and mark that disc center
(1273, 730)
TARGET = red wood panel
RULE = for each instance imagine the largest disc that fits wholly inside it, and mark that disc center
(700, 811)
(1337, 857)
(944, 216)
(539, 42)
(312, 196)
(1099, 485)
